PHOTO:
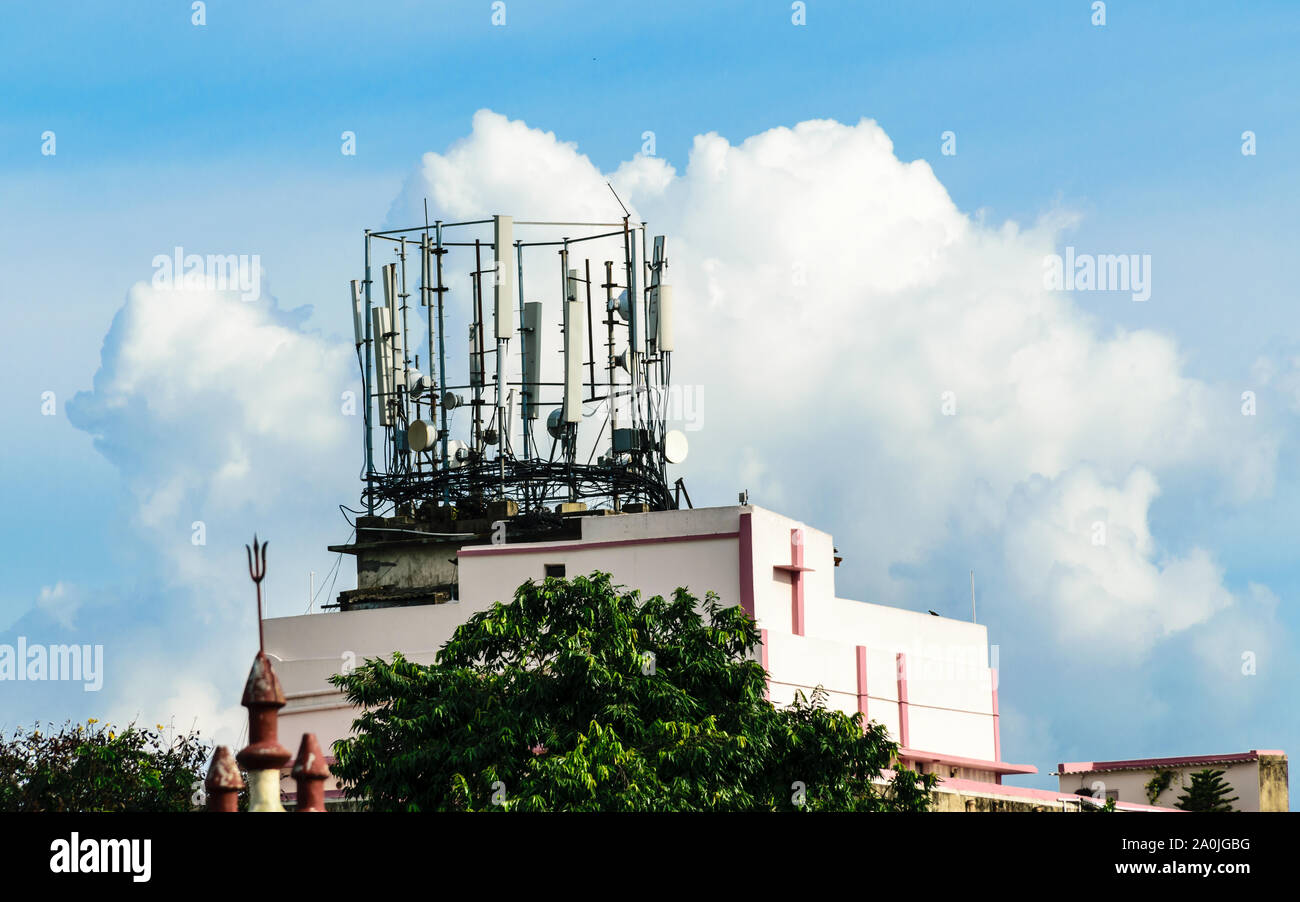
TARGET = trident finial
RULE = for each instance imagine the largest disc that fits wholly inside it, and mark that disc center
(257, 570)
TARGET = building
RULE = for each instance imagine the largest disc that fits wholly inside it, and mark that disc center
(925, 678)
(1258, 778)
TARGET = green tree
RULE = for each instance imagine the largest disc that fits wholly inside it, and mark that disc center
(1207, 792)
(94, 767)
(578, 696)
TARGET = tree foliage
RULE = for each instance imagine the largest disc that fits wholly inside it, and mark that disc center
(1207, 792)
(578, 696)
(94, 767)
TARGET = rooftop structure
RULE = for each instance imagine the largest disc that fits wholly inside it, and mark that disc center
(1259, 778)
(926, 678)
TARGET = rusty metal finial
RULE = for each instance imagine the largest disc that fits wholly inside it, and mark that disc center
(223, 782)
(310, 772)
(256, 571)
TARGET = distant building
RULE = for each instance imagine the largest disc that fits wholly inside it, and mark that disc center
(1258, 778)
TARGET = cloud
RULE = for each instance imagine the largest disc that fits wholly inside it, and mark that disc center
(1240, 645)
(831, 298)
(1084, 549)
(203, 401)
(59, 602)
(224, 418)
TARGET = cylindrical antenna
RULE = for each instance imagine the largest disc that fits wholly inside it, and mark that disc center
(478, 319)
(633, 324)
(426, 300)
(572, 345)
(403, 388)
(523, 357)
(609, 323)
(442, 352)
(591, 342)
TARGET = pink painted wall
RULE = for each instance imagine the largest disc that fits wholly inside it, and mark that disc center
(949, 684)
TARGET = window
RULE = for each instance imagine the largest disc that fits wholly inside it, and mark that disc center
(556, 570)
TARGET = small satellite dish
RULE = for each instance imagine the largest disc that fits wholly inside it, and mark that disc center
(555, 422)
(416, 383)
(490, 436)
(451, 400)
(620, 304)
(421, 436)
(675, 446)
(621, 361)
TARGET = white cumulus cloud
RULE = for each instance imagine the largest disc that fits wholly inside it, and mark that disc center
(869, 357)
(832, 298)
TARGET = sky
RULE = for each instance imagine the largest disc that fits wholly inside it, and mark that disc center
(878, 350)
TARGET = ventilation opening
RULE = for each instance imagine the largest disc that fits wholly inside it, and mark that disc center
(556, 570)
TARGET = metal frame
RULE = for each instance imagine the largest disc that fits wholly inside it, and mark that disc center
(491, 471)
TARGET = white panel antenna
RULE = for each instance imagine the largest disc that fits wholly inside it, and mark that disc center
(532, 343)
(382, 331)
(504, 281)
(393, 304)
(358, 313)
(663, 317)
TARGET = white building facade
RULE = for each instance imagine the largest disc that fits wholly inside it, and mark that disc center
(927, 679)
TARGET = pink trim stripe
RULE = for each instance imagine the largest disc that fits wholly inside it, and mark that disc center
(1080, 767)
(746, 542)
(537, 548)
(1046, 795)
(862, 683)
(998, 767)
(997, 733)
(903, 732)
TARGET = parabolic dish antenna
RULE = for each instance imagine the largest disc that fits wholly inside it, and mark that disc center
(675, 446)
(421, 436)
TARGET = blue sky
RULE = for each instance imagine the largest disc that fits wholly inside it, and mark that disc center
(226, 137)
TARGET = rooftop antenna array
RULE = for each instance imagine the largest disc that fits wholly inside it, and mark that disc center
(596, 379)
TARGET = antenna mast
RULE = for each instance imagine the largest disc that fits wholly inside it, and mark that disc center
(604, 401)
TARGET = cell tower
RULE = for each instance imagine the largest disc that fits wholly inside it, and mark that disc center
(576, 338)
